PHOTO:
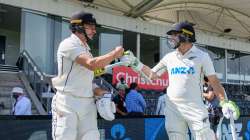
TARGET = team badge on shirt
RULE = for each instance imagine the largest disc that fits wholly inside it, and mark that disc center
(191, 57)
(182, 70)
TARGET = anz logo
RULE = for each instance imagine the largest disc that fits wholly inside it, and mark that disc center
(182, 70)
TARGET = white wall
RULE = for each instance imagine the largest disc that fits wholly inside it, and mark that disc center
(12, 46)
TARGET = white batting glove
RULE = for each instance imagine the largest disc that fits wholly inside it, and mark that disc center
(228, 108)
(134, 62)
(106, 107)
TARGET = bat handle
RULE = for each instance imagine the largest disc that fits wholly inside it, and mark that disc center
(232, 126)
(218, 131)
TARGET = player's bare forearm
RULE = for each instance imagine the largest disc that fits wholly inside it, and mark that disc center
(219, 91)
(217, 87)
(96, 62)
(101, 61)
(147, 70)
(209, 96)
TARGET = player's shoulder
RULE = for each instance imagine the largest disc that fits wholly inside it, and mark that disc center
(200, 52)
(169, 55)
(69, 43)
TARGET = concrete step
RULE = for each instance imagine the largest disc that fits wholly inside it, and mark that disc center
(5, 94)
(8, 89)
(10, 84)
(5, 112)
(8, 68)
(6, 75)
(9, 79)
(6, 101)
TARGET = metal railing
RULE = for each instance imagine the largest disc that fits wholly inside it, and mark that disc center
(105, 85)
(39, 82)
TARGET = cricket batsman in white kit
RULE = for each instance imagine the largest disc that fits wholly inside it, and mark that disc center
(186, 67)
(73, 107)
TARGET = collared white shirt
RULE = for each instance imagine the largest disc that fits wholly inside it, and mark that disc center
(22, 106)
(186, 74)
(73, 78)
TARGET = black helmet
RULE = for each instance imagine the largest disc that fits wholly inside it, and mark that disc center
(80, 18)
(186, 29)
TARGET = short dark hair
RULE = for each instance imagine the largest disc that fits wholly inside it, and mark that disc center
(205, 79)
(133, 85)
(121, 79)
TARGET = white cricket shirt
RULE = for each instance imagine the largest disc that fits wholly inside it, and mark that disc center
(73, 78)
(186, 74)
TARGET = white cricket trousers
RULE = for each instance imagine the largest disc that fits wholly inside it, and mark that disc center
(182, 114)
(74, 118)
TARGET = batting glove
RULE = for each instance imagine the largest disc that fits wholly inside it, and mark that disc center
(106, 107)
(134, 62)
(228, 108)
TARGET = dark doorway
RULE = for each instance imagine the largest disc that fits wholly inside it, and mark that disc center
(2, 49)
(130, 41)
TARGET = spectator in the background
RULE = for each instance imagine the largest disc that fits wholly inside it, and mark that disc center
(22, 105)
(122, 85)
(19, 62)
(161, 104)
(119, 101)
(212, 102)
(2, 106)
(135, 103)
(247, 132)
